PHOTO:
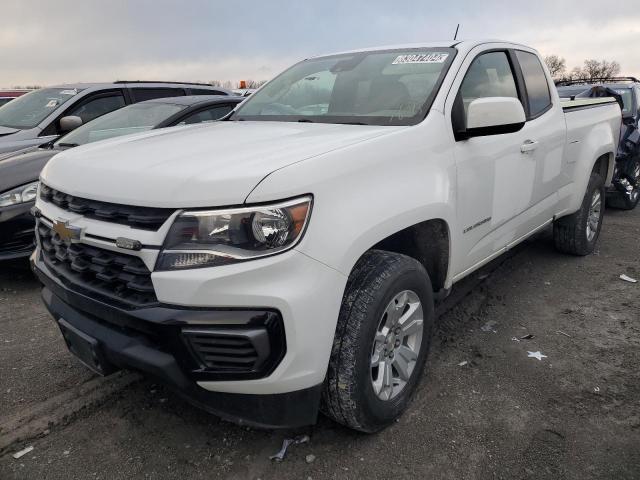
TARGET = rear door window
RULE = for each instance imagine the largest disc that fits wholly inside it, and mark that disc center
(140, 94)
(535, 81)
(202, 91)
(98, 106)
(209, 115)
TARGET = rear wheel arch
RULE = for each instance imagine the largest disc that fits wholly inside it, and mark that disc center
(604, 166)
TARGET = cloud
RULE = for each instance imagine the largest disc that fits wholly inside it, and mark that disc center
(68, 41)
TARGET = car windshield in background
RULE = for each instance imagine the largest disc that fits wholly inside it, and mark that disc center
(391, 87)
(625, 93)
(132, 119)
(627, 99)
(30, 109)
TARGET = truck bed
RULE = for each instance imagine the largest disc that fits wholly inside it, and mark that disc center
(582, 103)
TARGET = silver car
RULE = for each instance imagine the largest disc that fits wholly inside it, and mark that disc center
(43, 115)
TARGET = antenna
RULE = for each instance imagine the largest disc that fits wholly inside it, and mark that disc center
(455, 37)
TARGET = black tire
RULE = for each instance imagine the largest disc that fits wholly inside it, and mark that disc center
(570, 232)
(348, 396)
(624, 201)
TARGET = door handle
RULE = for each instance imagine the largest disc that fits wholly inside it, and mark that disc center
(528, 146)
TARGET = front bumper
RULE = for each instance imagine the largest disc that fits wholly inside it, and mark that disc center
(147, 340)
(17, 226)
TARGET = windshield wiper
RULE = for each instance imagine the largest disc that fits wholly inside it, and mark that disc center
(70, 145)
(304, 120)
(352, 123)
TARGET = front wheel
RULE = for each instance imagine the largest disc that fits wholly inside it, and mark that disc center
(381, 343)
(577, 234)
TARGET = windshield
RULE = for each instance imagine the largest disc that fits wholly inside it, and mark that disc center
(134, 118)
(30, 109)
(391, 87)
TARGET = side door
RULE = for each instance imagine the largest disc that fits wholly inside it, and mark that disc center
(91, 106)
(495, 178)
(546, 139)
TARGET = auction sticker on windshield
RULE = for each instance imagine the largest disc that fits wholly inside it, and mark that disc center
(433, 57)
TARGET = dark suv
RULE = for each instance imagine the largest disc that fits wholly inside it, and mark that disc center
(41, 116)
(625, 190)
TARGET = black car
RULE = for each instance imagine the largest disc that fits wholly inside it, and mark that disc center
(625, 190)
(19, 173)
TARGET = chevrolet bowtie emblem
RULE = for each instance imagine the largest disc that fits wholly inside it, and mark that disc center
(66, 232)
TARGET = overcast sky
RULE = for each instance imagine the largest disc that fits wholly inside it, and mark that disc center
(54, 41)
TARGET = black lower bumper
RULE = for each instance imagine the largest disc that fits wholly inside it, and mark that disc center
(17, 227)
(137, 340)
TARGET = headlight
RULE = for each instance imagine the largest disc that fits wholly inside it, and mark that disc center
(22, 194)
(220, 237)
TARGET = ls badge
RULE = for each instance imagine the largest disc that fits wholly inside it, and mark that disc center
(66, 232)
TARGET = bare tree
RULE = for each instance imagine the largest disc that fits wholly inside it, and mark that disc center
(601, 69)
(557, 65)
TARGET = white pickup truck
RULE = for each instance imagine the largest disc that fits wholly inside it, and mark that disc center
(287, 260)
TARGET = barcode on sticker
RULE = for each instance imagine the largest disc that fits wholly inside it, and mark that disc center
(421, 58)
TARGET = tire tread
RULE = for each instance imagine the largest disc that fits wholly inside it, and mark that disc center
(339, 392)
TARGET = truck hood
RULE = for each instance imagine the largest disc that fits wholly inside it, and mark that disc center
(197, 166)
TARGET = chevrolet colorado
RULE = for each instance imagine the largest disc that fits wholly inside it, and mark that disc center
(288, 260)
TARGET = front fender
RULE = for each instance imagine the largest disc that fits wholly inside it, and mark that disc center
(366, 192)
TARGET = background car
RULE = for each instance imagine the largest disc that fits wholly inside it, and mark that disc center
(43, 115)
(7, 95)
(625, 190)
(19, 173)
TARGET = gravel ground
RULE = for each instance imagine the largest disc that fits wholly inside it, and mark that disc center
(575, 414)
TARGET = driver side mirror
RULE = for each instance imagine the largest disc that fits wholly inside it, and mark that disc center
(70, 123)
(493, 116)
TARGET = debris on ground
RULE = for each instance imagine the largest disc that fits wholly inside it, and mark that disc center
(537, 355)
(515, 339)
(287, 442)
(596, 389)
(310, 458)
(528, 336)
(22, 452)
(562, 333)
(462, 364)
(489, 326)
(627, 278)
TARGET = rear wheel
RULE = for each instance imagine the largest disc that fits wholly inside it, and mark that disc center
(577, 234)
(382, 340)
(628, 200)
